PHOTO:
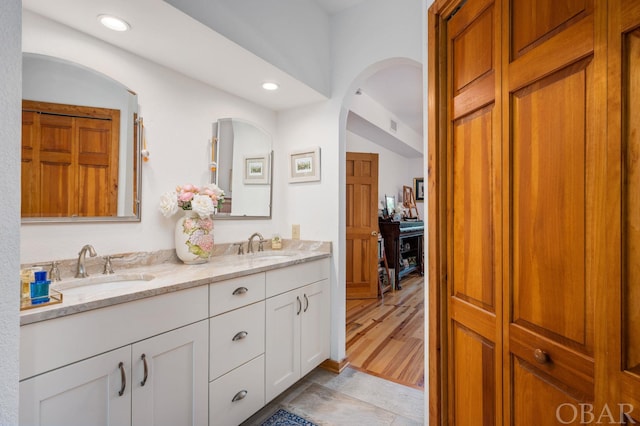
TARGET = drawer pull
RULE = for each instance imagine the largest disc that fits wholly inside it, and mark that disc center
(240, 290)
(146, 370)
(240, 335)
(299, 305)
(239, 396)
(306, 303)
(123, 377)
(541, 356)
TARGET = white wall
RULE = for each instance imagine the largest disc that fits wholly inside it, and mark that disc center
(394, 170)
(178, 113)
(10, 100)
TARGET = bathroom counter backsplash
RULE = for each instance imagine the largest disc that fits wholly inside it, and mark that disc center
(168, 272)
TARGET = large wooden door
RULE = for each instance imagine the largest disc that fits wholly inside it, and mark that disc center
(519, 178)
(362, 226)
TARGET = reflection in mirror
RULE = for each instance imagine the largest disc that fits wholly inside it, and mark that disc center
(80, 144)
(242, 154)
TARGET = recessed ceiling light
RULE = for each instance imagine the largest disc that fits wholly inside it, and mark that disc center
(270, 86)
(113, 23)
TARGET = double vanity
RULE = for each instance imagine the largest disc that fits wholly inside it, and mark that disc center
(168, 343)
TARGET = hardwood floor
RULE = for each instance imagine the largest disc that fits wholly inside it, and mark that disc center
(385, 337)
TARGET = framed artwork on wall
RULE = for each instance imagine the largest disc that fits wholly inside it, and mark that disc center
(304, 166)
(256, 169)
(418, 188)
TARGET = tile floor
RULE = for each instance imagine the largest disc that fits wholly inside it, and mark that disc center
(351, 398)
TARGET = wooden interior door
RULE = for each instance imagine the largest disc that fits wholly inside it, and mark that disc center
(555, 137)
(519, 175)
(362, 226)
(473, 233)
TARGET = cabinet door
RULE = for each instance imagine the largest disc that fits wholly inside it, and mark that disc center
(84, 393)
(175, 390)
(282, 344)
(314, 337)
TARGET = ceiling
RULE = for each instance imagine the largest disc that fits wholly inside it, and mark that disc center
(161, 36)
(334, 6)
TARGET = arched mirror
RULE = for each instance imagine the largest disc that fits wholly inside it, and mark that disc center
(242, 157)
(80, 144)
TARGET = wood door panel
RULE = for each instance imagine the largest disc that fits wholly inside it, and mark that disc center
(483, 322)
(537, 20)
(29, 178)
(56, 134)
(537, 398)
(571, 45)
(627, 367)
(550, 204)
(473, 51)
(359, 271)
(362, 225)
(474, 390)
(94, 138)
(473, 221)
(56, 199)
(93, 192)
(479, 94)
(631, 211)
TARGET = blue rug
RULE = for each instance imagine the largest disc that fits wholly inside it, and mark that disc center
(285, 418)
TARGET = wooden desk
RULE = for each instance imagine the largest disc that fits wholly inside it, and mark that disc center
(403, 244)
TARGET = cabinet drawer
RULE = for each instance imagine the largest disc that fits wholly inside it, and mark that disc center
(235, 293)
(226, 353)
(247, 380)
(285, 279)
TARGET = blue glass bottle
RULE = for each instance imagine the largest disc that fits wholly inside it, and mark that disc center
(40, 288)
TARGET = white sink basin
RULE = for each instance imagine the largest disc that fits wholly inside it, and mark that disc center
(272, 255)
(102, 282)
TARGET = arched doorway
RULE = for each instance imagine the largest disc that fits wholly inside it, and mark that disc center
(371, 107)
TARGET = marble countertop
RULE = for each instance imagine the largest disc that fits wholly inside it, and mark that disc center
(138, 282)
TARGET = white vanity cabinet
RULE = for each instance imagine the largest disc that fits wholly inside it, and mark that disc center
(211, 354)
(88, 368)
(297, 323)
(236, 354)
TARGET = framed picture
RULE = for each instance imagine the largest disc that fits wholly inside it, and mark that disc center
(304, 166)
(256, 169)
(390, 203)
(418, 188)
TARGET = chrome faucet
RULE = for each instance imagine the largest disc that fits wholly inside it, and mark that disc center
(260, 241)
(81, 272)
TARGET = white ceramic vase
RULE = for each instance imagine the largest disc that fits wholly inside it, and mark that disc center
(194, 238)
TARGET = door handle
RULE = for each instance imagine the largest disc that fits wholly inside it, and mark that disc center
(123, 379)
(146, 370)
(374, 233)
(239, 336)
